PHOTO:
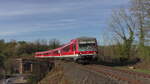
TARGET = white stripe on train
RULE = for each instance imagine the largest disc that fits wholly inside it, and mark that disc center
(76, 55)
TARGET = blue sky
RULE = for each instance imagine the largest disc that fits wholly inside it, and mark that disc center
(61, 19)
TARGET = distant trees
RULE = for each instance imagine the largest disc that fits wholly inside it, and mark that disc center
(23, 49)
(27, 48)
(1, 60)
(2, 57)
(10, 49)
(54, 43)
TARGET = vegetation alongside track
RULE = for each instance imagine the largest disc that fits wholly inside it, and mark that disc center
(56, 76)
(21, 49)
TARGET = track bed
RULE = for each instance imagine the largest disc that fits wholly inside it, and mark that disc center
(98, 74)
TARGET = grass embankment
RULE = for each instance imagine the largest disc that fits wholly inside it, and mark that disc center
(142, 71)
(143, 67)
(56, 76)
(146, 71)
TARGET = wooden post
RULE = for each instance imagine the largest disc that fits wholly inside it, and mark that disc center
(21, 66)
(31, 67)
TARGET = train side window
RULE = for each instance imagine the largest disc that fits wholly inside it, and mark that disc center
(55, 52)
(49, 53)
(39, 54)
(66, 49)
(45, 53)
(74, 47)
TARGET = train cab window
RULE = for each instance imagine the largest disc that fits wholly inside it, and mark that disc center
(87, 47)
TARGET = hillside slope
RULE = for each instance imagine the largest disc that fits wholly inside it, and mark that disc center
(56, 76)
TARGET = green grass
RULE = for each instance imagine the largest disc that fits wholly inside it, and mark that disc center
(136, 70)
(142, 71)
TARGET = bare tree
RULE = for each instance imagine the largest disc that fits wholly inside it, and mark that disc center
(123, 25)
(54, 43)
(141, 12)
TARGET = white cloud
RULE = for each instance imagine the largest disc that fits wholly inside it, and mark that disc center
(18, 29)
(31, 11)
(68, 20)
(6, 33)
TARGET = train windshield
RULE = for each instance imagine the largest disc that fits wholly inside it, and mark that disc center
(87, 47)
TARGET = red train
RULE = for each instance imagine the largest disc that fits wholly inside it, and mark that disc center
(84, 49)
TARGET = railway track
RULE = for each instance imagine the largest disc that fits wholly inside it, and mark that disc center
(127, 77)
(122, 76)
(118, 75)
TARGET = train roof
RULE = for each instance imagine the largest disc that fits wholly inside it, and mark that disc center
(86, 38)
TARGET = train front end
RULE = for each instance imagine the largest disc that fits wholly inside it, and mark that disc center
(87, 49)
